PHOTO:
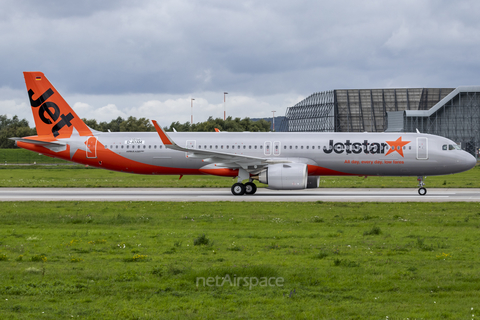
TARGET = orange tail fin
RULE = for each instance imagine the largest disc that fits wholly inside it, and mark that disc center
(52, 114)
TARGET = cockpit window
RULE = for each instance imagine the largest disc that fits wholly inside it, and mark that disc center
(451, 147)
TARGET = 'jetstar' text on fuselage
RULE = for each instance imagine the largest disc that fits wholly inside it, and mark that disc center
(356, 147)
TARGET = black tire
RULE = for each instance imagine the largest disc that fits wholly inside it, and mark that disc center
(422, 191)
(250, 188)
(238, 189)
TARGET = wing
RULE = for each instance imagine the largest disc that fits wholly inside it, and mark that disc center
(223, 159)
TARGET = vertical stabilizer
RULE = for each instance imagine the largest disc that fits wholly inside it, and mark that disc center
(53, 116)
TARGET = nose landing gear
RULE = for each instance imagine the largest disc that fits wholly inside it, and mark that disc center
(421, 191)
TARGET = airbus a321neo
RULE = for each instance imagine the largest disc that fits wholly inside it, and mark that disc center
(284, 161)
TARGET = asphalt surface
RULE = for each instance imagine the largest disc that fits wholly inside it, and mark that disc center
(224, 194)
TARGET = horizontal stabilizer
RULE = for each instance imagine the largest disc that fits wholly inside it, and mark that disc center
(51, 145)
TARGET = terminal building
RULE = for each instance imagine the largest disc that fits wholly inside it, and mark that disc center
(449, 112)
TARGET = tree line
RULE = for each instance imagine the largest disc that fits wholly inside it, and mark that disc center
(19, 128)
(13, 128)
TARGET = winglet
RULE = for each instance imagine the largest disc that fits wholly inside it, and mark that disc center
(165, 139)
(217, 130)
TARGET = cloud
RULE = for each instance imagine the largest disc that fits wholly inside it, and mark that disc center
(269, 52)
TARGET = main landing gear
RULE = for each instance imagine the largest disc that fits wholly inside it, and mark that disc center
(248, 188)
(421, 191)
(239, 188)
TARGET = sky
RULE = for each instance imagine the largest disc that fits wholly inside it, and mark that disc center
(148, 58)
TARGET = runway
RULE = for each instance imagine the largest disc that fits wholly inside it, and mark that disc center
(224, 194)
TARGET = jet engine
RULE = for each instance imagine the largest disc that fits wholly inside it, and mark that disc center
(285, 176)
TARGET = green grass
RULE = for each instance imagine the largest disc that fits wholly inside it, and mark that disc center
(138, 260)
(22, 156)
(81, 176)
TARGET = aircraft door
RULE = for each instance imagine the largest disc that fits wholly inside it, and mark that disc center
(190, 145)
(91, 148)
(276, 148)
(268, 146)
(422, 148)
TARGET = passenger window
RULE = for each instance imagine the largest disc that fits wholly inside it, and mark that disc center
(249, 147)
(296, 147)
(244, 147)
(116, 147)
(221, 147)
(313, 147)
(307, 147)
(128, 146)
(155, 146)
(261, 147)
(301, 147)
(290, 147)
(227, 147)
(284, 147)
(409, 147)
(122, 146)
(216, 147)
(199, 147)
(210, 147)
(255, 147)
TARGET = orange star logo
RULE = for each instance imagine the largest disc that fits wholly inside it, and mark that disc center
(397, 146)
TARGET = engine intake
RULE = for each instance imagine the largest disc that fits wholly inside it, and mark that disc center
(282, 176)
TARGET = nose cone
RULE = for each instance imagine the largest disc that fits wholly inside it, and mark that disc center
(469, 161)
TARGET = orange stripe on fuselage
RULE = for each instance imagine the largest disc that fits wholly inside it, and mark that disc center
(107, 159)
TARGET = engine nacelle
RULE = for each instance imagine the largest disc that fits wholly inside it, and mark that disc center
(285, 176)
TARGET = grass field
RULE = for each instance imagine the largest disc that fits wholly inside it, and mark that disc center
(80, 176)
(142, 260)
(22, 156)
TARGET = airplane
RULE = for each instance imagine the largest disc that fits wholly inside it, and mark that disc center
(282, 160)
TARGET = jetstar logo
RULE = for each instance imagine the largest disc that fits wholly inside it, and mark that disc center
(49, 112)
(397, 146)
(366, 147)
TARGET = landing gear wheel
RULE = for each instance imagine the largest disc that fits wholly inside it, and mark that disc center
(238, 189)
(422, 191)
(250, 188)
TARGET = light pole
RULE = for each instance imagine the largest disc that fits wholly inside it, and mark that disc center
(191, 106)
(273, 120)
(224, 106)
